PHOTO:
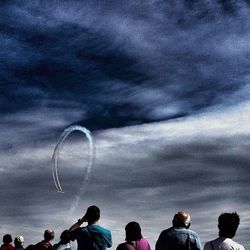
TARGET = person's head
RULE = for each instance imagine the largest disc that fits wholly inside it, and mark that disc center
(92, 215)
(49, 235)
(18, 241)
(182, 219)
(65, 237)
(7, 239)
(228, 224)
(133, 231)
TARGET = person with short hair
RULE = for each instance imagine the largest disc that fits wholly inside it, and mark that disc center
(227, 224)
(64, 243)
(45, 244)
(93, 236)
(179, 236)
(7, 243)
(18, 242)
(134, 239)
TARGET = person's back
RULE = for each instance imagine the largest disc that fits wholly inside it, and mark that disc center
(126, 246)
(93, 236)
(7, 243)
(142, 244)
(179, 237)
(223, 244)
(7, 247)
(227, 224)
(134, 239)
(44, 244)
(19, 241)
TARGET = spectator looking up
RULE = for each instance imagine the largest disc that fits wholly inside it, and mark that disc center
(134, 239)
(7, 243)
(18, 242)
(227, 224)
(44, 244)
(93, 236)
(179, 236)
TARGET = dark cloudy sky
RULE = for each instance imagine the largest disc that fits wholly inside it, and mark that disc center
(164, 88)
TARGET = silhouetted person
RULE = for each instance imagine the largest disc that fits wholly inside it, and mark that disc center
(44, 244)
(134, 239)
(64, 243)
(227, 224)
(18, 242)
(179, 237)
(7, 243)
(93, 236)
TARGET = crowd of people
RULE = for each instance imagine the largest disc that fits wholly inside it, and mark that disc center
(95, 237)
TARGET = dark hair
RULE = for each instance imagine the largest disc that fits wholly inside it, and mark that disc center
(65, 237)
(49, 234)
(228, 224)
(133, 231)
(7, 239)
(92, 214)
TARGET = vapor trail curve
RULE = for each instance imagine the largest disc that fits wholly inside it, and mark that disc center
(57, 150)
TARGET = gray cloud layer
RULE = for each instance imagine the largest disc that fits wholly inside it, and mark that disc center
(127, 62)
(144, 173)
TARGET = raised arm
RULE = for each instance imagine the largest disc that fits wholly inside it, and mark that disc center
(77, 224)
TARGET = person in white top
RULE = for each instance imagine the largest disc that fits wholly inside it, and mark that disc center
(227, 224)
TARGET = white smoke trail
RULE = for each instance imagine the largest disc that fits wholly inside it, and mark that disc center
(55, 156)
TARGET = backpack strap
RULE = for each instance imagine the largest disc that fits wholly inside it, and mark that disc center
(93, 238)
(211, 244)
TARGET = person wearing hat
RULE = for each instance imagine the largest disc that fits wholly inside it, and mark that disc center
(18, 242)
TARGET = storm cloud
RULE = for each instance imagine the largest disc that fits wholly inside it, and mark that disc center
(124, 63)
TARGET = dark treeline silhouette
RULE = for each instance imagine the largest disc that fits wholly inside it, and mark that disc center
(93, 236)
